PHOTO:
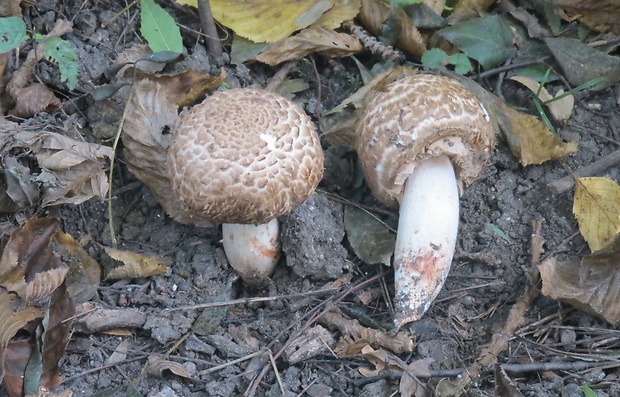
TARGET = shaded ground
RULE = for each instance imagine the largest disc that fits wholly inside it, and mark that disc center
(488, 275)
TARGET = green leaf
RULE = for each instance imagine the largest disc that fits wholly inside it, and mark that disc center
(61, 52)
(461, 63)
(12, 33)
(159, 29)
(488, 39)
(587, 391)
(434, 58)
(582, 63)
(370, 239)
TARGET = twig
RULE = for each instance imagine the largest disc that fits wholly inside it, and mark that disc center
(279, 77)
(233, 362)
(214, 46)
(250, 300)
(596, 168)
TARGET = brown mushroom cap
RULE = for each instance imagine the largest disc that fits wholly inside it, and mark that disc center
(415, 118)
(244, 156)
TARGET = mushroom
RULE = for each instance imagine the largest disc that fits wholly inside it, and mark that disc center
(420, 140)
(243, 158)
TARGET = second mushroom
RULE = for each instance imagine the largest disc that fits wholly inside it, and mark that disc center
(420, 140)
(243, 158)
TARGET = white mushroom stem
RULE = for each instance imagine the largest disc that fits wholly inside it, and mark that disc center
(252, 250)
(427, 229)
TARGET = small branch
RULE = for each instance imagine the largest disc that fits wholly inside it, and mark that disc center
(214, 46)
(278, 78)
(596, 168)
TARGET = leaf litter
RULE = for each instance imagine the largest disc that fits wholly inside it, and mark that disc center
(528, 138)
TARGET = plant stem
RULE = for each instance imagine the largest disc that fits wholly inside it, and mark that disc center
(214, 46)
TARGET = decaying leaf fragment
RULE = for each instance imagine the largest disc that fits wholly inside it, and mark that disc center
(76, 167)
(314, 39)
(597, 208)
(35, 295)
(135, 265)
(591, 284)
(158, 367)
(33, 99)
(600, 15)
(374, 13)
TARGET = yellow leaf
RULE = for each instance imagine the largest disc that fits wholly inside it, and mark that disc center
(135, 265)
(467, 9)
(269, 20)
(597, 208)
(529, 138)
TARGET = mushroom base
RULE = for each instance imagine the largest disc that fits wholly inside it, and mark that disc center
(252, 250)
(427, 229)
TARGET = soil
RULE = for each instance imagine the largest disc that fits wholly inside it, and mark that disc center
(488, 276)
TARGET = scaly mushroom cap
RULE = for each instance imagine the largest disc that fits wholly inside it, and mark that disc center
(419, 117)
(244, 156)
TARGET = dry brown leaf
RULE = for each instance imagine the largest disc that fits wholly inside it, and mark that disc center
(119, 354)
(600, 15)
(19, 189)
(76, 166)
(10, 8)
(410, 386)
(467, 9)
(33, 99)
(380, 359)
(135, 265)
(85, 273)
(312, 342)
(186, 87)
(314, 39)
(146, 141)
(597, 208)
(44, 283)
(14, 319)
(399, 343)
(504, 386)
(372, 15)
(159, 367)
(592, 284)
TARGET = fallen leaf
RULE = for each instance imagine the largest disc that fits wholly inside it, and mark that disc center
(487, 39)
(370, 239)
(159, 367)
(560, 109)
(146, 139)
(119, 354)
(20, 190)
(270, 21)
(597, 208)
(411, 386)
(599, 15)
(77, 166)
(341, 11)
(380, 359)
(314, 39)
(374, 13)
(84, 272)
(591, 284)
(135, 265)
(33, 99)
(504, 386)
(582, 64)
(467, 9)
(45, 282)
